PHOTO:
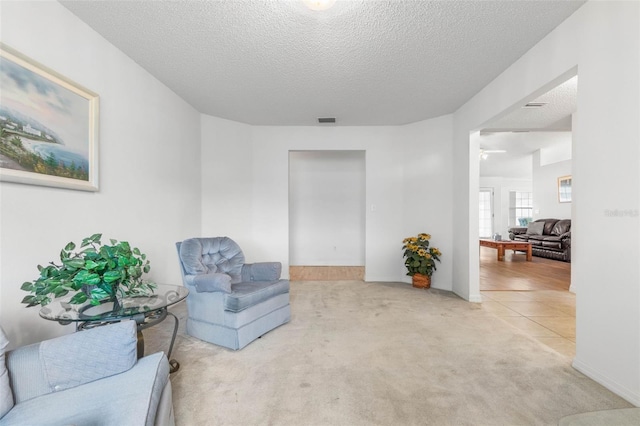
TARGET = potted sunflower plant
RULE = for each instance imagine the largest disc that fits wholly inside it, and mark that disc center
(420, 259)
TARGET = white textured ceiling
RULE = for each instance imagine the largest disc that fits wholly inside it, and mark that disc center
(363, 62)
(517, 161)
(526, 130)
(560, 103)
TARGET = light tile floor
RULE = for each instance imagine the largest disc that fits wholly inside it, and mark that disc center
(546, 315)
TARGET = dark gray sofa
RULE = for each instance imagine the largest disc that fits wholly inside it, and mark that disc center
(550, 238)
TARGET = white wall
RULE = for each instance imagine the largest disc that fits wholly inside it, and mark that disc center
(545, 189)
(560, 151)
(327, 208)
(607, 156)
(384, 174)
(601, 40)
(501, 188)
(428, 190)
(227, 181)
(149, 165)
(396, 206)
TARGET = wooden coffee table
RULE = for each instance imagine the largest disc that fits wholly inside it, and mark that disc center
(501, 246)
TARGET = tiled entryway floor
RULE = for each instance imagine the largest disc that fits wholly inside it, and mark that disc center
(547, 315)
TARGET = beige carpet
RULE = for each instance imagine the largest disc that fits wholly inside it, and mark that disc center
(360, 353)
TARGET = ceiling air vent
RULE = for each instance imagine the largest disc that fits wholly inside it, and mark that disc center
(322, 120)
(535, 104)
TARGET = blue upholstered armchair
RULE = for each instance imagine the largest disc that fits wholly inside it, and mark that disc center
(90, 377)
(230, 303)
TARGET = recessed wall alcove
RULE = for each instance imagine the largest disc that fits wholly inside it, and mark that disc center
(327, 215)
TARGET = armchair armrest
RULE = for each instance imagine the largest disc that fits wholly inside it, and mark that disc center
(209, 283)
(68, 361)
(264, 271)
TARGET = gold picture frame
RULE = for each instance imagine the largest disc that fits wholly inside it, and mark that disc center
(564, 189)
(48, 126)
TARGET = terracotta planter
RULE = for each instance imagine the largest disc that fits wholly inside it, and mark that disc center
(421, 281)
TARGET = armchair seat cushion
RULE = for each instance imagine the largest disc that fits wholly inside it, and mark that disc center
(247, 294)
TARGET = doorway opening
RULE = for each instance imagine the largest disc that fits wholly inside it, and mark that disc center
(327, 215)
(522, 156)
(486, 212)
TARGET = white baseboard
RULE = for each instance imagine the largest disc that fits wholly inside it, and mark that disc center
(572, 289)
(368, 278)
(475, 298)
(618, 389)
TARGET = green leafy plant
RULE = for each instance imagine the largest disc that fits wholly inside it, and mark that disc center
(420, 258)
(96, 272)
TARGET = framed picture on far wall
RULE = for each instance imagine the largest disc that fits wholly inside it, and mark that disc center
(564, 189)
(48, 126)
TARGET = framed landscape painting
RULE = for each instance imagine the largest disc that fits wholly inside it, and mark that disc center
(48, 126)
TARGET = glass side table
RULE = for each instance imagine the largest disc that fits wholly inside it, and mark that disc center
(146, 311)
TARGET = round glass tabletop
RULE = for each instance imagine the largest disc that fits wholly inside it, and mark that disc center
(163, 296)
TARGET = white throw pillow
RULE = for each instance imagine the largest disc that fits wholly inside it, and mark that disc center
(6, 396)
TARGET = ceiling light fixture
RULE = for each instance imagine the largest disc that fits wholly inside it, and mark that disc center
(319, 4)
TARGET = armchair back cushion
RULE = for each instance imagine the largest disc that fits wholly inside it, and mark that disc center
(102, 353)
(212, 255)
(92, 354)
